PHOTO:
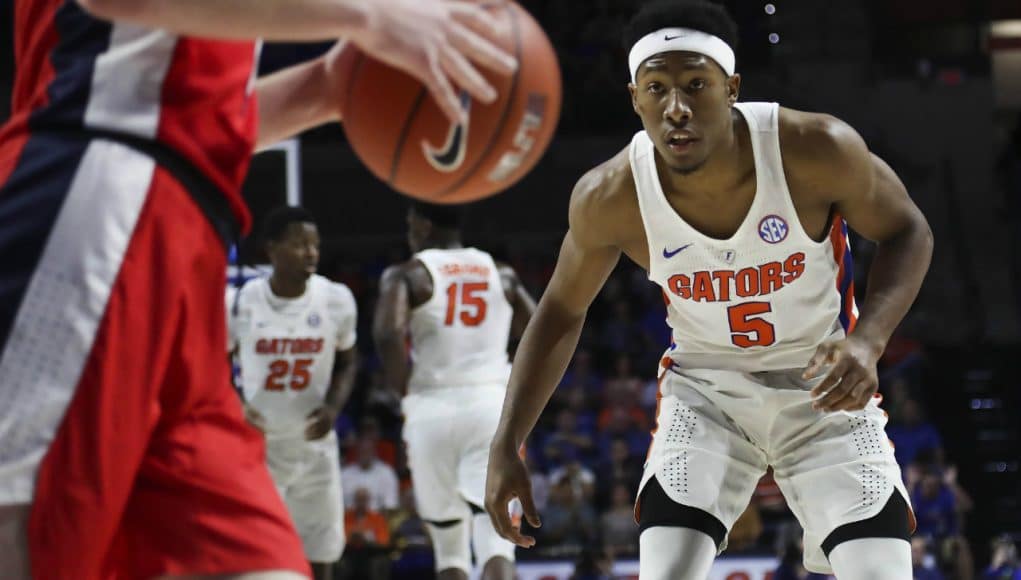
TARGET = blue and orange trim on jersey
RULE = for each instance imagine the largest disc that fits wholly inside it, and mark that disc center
(845, 273)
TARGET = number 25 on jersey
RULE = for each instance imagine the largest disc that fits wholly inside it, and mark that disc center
(280, 369)
(465, 303)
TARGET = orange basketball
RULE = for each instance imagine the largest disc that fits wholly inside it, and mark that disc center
(399, 132)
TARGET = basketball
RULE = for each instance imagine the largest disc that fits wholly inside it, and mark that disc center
(401, 135)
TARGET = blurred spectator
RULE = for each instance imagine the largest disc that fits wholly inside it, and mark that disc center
(923, 563)
(540, 483)
(653, 321)
(368, 540)
(648, 397)
(568, 441)
(623, 391)
(411, 541)
(593, 564)
(620, 532)
(581, 480)
(619, 467)
(791, 551)
(620, 424)
(620, 333)
(623, 378)
(1004, 563)
(581, 404)
(619, 400)
(934, 506)
(936, 513)
(369, 428)
(569, 522)
(369, 473)
(772, 507)
(911, 433)
(581, 375)
(746, 530)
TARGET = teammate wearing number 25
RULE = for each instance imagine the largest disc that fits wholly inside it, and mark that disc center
(458, 308)
(739, 212)
(293, 334)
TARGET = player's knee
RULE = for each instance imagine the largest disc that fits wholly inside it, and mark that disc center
(451, 546)
(489, 544)
(657, 509)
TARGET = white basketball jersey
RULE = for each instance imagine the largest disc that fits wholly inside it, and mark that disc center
(287, 347)
(763, 299)
(459, 336)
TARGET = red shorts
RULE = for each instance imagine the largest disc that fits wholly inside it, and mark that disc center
(122, 407)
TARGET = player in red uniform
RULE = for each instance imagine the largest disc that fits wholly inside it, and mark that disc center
(123, 451)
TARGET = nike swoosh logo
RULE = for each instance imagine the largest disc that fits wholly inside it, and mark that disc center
(668, 37)
(668, 254)
(450, 156)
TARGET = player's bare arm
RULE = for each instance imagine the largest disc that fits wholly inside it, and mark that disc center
(401, 288)
(520, 300)
(831, 167)
(390, 326)
(587, 256)
(439, 42)
(342, 382)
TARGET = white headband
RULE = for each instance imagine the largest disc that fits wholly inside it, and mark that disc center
(681, 39)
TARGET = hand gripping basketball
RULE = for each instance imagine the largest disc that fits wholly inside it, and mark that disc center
(397, 113)
(437, 42)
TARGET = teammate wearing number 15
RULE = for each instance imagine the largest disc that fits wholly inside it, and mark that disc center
(458, 308)
(293, 334)
(738, 211)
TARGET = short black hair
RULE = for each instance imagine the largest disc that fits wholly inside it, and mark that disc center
(276, 221)
(700, 15)
(448, 217)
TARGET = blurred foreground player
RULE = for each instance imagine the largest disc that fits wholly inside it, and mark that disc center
(737, 210)
(123, 451)
(293, 335)
(458, 308)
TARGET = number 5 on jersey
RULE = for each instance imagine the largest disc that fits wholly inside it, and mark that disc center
(464, 300)
(748, 328)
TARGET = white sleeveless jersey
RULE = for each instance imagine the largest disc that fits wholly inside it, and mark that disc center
(459, 336)
(763, 299)
(286, 347)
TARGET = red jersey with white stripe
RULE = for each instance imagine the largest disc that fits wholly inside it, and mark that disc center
(75, 71)
(764, 298)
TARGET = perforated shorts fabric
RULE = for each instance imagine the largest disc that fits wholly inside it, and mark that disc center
(718, 431)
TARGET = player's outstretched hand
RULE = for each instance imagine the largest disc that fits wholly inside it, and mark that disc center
(318, 423)
(255, 418)
(851, 381)
(506, 479)
(439, 42)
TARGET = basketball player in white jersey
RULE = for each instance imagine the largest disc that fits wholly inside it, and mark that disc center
(458, 308)
(293, 334)
(738, 211)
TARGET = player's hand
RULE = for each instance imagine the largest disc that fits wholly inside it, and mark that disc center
(319, 423)
(439, 42)
(255, 418)
(852, 379)
(506, 479)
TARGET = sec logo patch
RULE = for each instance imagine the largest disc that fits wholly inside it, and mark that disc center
(773, 229)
